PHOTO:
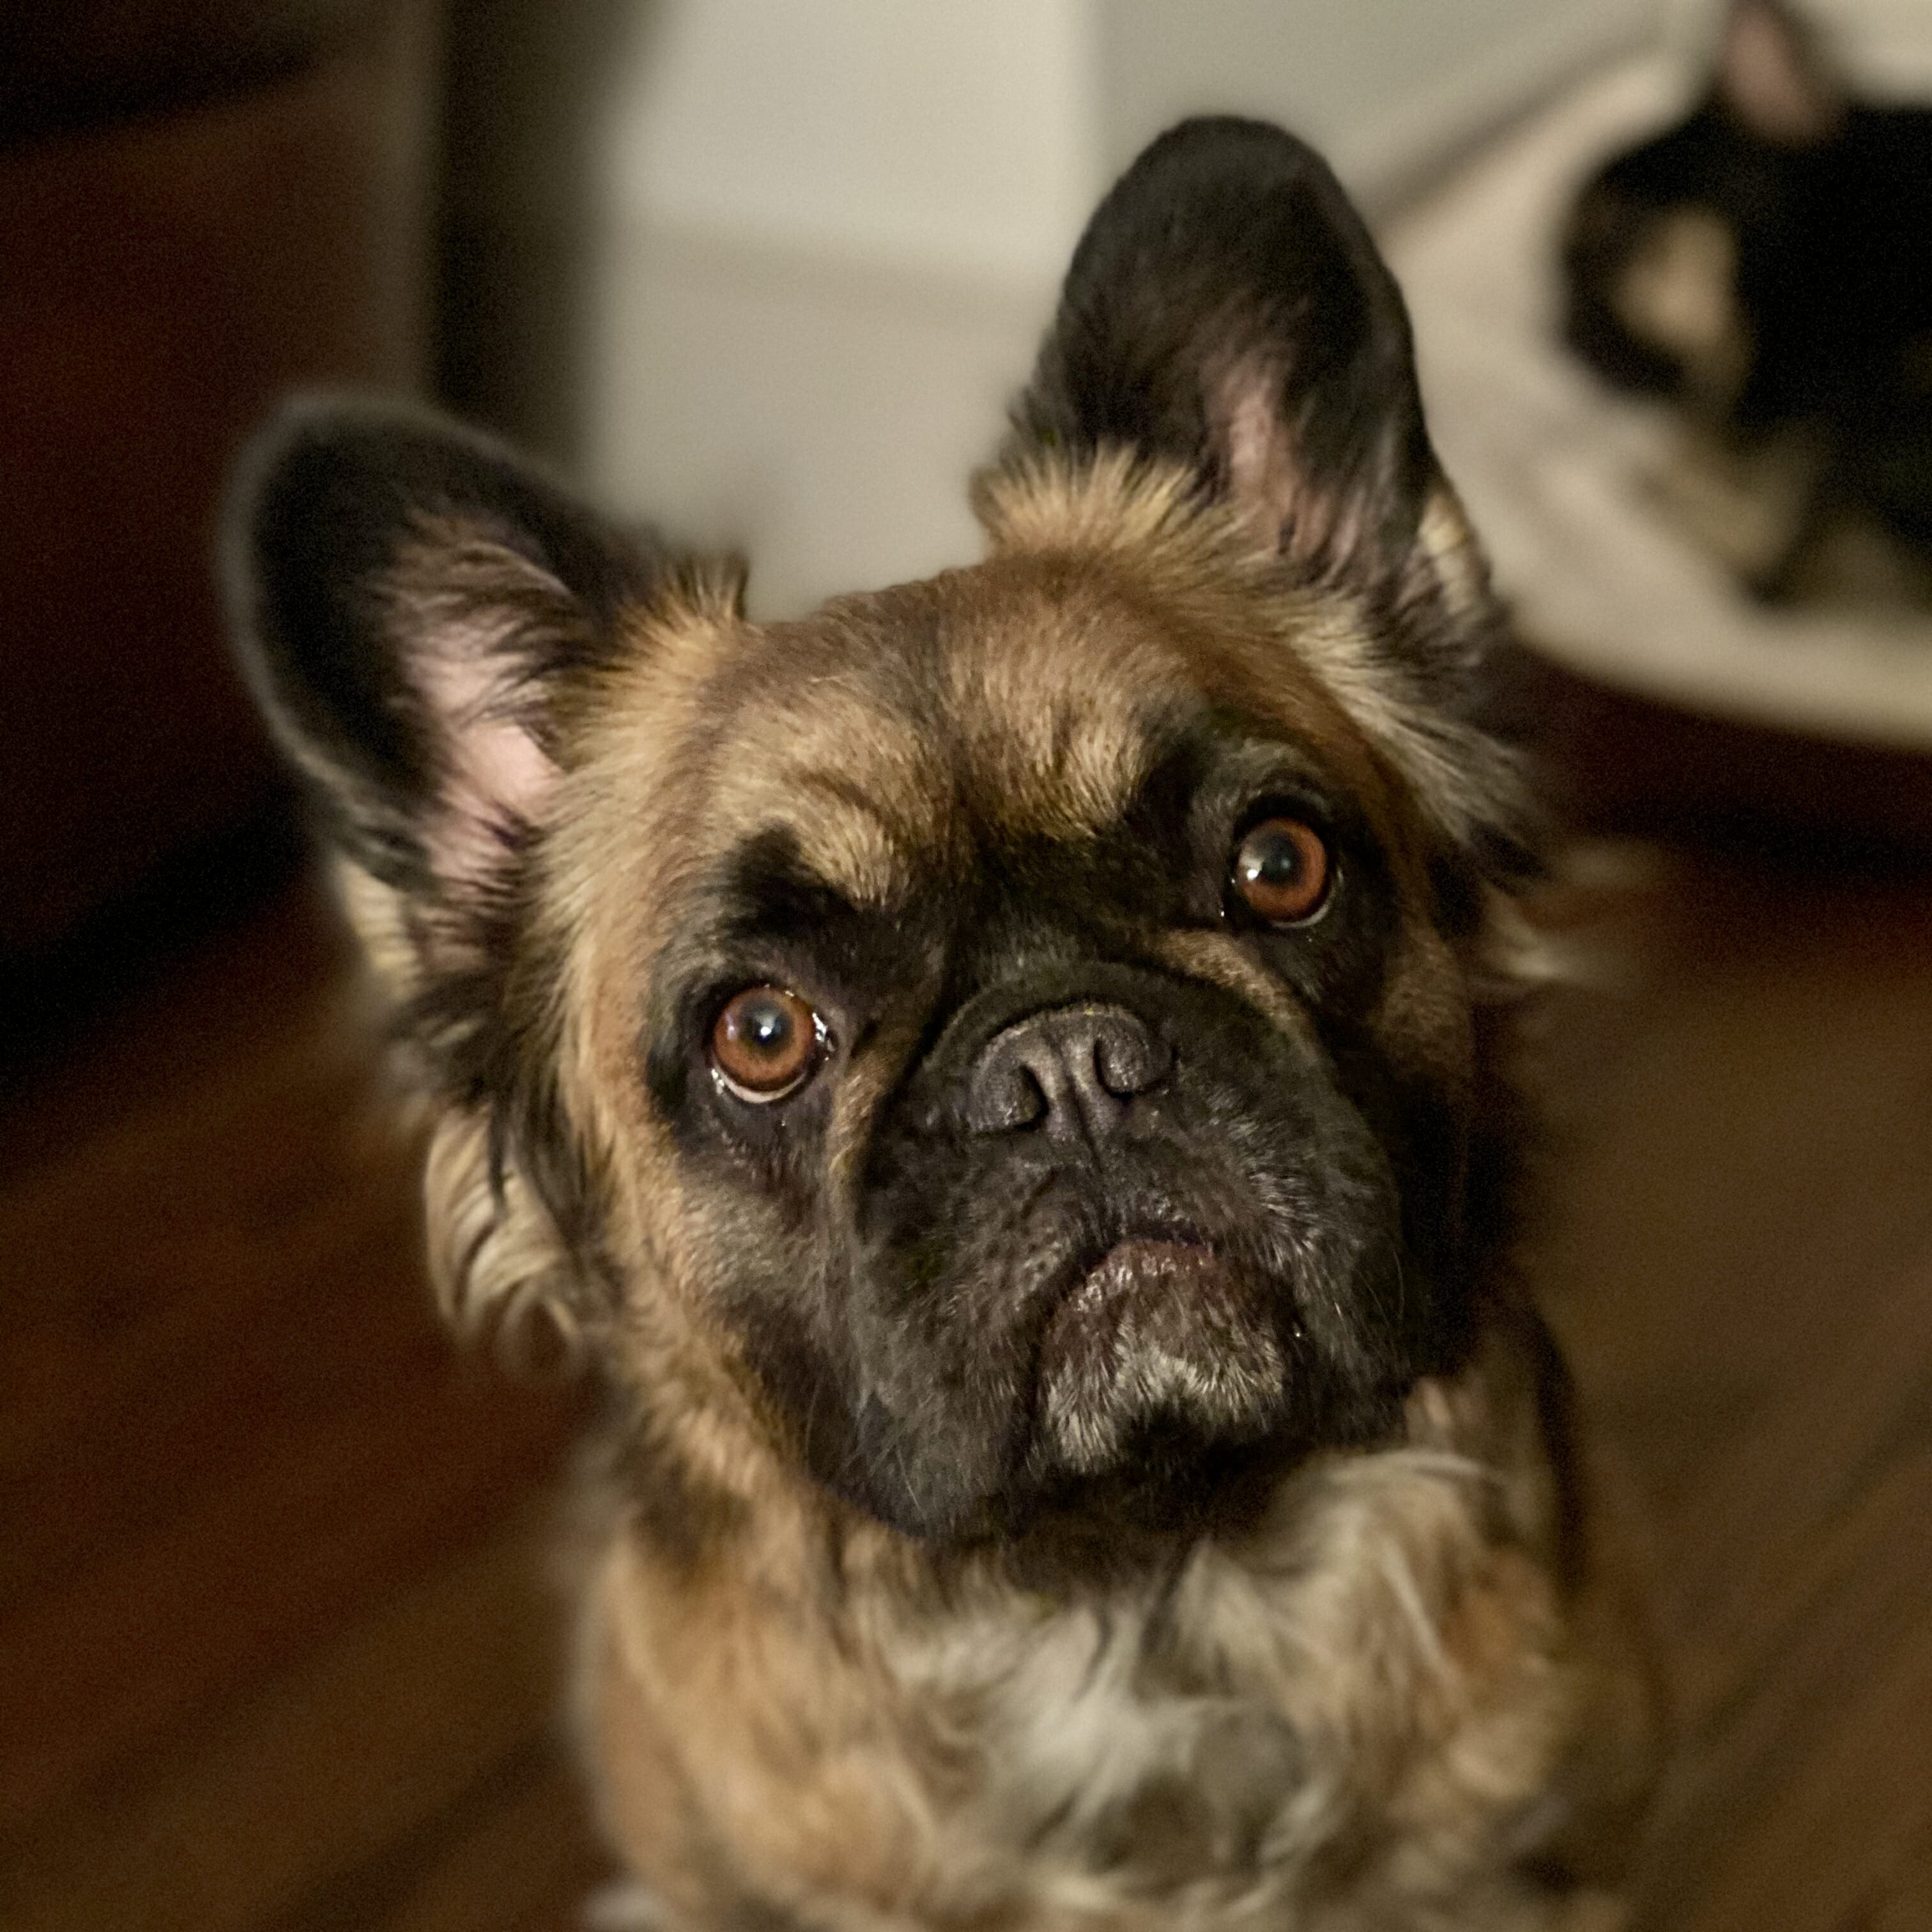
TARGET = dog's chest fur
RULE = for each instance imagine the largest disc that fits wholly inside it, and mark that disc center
(1353, 1713)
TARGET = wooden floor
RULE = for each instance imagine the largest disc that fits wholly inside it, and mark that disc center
(1739, 1261)
(277, 1650)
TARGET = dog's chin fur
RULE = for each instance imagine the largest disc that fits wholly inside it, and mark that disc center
(1078, 1455)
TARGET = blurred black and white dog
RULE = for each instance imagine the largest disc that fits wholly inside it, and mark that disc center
(1767, 262)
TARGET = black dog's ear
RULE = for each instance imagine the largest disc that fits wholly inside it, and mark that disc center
(1774, 79)
(405, 596)
(413, 605)
(1226, 308)
(1227, 312)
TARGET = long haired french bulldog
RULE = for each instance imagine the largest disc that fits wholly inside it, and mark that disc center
(1002, 1077)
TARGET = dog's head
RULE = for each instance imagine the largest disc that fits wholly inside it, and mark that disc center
(1003, 1041)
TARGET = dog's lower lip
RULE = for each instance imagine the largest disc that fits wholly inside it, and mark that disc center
(1177, 1268)
(1160, 1331)
(1181, 1258)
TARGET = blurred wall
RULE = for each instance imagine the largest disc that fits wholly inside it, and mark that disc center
(203, 203)
(832, 229)
(524, 86)
(1386, 88)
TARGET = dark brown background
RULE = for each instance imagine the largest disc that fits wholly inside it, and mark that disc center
(173, 263)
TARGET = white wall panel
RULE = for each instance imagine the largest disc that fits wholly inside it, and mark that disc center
(833, 228)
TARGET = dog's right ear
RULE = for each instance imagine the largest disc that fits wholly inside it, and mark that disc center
(407, 598)
(1228, 317)
(1227, 309)
(412, 604)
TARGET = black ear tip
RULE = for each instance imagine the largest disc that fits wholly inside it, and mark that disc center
(1229, 138)
(315, 447)
(1228, 160)
(373, 445)
(320, 495)
(307, 433)
(320, 445)
(313, 506)
(285, 495)
(1220, 198)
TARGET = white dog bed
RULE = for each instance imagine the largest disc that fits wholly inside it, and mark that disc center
(1554, 468)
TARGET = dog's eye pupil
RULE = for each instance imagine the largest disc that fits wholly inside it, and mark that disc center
(1281, 872)
(765, 1043)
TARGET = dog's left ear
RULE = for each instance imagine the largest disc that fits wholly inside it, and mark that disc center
(1226, 309)
(1227, 312)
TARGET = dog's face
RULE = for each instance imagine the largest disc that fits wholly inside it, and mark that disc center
(1001, 1043)
(1019, 974)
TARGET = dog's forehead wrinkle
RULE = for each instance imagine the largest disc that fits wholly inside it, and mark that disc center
(806, 735)
(1056, 684)
(843, 841)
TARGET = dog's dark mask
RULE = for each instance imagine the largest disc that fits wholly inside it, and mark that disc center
(1103, 1222)
(1017, 1021)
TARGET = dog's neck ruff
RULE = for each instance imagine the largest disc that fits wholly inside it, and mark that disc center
(1357, 1708)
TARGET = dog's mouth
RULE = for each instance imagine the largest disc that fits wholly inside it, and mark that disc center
(1135, 1342)
(1164, 1333)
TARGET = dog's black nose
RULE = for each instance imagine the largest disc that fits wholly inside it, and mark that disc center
(1069, 1071)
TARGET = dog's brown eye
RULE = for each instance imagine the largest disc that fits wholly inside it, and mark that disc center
(1281, 872)
(765, 1043)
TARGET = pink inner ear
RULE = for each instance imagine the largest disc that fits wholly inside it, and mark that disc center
(1260, 464)
(494, 771)
(1265, 477)
(1770, 80)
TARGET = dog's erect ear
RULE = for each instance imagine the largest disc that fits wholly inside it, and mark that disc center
(1227, 312)
(406, 596)
(1226, 308)
(411, 603)
(1774, 79)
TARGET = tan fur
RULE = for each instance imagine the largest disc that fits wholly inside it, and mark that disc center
(1344, 1718)
(1349, 1715)
(1212, 562)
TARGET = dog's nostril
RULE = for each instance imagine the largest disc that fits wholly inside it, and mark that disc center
(1006, 1097)
(1127, 1058)
(1071, 1070)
